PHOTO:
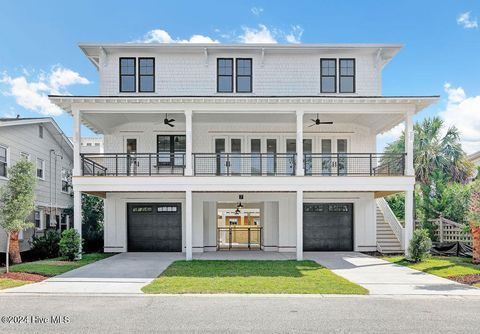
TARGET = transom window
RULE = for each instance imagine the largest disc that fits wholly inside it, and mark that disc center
(244, 75)
(347, 76)
(127, 75)
(3, 161)
(146, 72)
(328, 74)
(225, 75)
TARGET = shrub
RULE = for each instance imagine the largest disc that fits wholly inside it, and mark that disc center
(46, 246)
(70, 244)
(397, 204)
(419, 248)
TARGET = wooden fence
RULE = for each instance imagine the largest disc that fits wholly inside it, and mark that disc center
(450, 231)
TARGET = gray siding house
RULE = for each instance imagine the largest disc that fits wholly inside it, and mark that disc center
(42, 141)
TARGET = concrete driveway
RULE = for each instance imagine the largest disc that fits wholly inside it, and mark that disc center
(381, 277)
(121, 273)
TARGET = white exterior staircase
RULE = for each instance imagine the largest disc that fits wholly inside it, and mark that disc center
(389, 230)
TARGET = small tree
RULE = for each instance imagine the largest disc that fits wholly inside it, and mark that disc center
(474, 219)
(70, 244)
(17, 201)
(419, 248)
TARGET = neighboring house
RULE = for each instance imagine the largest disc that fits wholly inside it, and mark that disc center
(211, 146)
(475, 159)
(91, 144)
(41, 141)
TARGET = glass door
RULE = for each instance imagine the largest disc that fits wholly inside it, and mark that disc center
(290, 163)
(342, 165)
(220, 156)
(271, 156)
(307, 155)
(326, 156)
(307, 150)
(131, 150)
(236, 158)
(256, 157)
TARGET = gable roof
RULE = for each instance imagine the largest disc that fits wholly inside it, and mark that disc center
(48, 122)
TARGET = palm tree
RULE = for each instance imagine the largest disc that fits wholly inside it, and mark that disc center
(435, 151)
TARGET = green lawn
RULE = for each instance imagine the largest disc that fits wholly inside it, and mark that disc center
(276, 277)
(56, 266)
(440, 265)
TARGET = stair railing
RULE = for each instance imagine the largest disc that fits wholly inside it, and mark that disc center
(392, 221)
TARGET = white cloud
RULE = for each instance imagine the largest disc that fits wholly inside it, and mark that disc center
(254, 35)
(256, 11)
(295, 35)
(464, 113)
(161, 36)
(466, 21)
(33, 94)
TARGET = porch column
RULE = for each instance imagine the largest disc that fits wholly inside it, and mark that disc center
(77, 135)
(409, 134)
(188, 225)
(189, 140)
(299, 142)
(77, 215)
(409, 224)
(299, 225)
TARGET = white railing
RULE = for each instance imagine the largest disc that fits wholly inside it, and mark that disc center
(392, 220)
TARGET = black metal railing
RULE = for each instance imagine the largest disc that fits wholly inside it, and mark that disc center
(354, 164)
(244, 164)
(132, 164)
(239, 237)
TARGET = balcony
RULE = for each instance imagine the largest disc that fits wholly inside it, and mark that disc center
(243, 164)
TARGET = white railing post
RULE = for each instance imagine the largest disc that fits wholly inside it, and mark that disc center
(299, 143)
(77, 136)
(189, 143)
(409, 138)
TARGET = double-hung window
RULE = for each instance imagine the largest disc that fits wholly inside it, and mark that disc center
(3, 161)
(244, 75)
(328, 75)
(40, 169)
(146, 75)
(171, 150)
(225, 75)
(127, 75)
(347, 76)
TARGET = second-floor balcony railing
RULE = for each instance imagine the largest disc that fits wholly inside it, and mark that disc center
(132, 164)
(243, 164)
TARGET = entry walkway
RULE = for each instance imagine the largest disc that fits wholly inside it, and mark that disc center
(381, 277)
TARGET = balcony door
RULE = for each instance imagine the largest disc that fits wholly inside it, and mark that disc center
(334, 160)
(131, 157)
(171, 150)
(230, 163)
(307, 150)
(263, 156)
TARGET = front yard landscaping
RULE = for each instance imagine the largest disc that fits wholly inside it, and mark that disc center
(35, 271)
(458, 269)
(276, 277)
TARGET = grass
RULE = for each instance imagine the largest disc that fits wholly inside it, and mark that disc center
(6, 283)
(56, 266)
(440, 265)
(276, 277)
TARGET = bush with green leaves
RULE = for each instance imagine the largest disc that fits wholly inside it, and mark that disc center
(70, 244)
(420, 245)
(46, 246)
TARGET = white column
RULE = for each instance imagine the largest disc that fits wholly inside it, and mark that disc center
(189, 143)
(77, 135)
(77, 215)
(299, 171)
(409, 136)
(408, 218)
(299, 225)
(188, 225)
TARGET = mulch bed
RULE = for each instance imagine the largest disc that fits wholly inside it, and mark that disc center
(466, 279)
(24, 277)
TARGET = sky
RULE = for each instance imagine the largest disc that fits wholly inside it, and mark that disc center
(39, 52)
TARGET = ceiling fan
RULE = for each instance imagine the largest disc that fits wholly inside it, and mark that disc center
(318, 122)
(168, 122)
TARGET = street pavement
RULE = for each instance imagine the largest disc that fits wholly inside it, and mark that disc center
(238, 314)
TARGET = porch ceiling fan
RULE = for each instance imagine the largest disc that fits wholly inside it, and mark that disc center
(168, 122)
(318, 122)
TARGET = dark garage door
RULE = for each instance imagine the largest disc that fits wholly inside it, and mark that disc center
(154, 227)
(328, 227)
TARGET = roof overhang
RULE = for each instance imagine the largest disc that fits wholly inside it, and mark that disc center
(395, 106)
(383, 52)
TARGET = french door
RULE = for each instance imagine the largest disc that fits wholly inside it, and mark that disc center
(307, 150)
(334, 160)
(228, 156)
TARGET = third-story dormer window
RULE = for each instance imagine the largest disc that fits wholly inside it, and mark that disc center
(328, 75)
(347, 76)
(146, 74)
(127, 75)
(225, 75)
(244, 75)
